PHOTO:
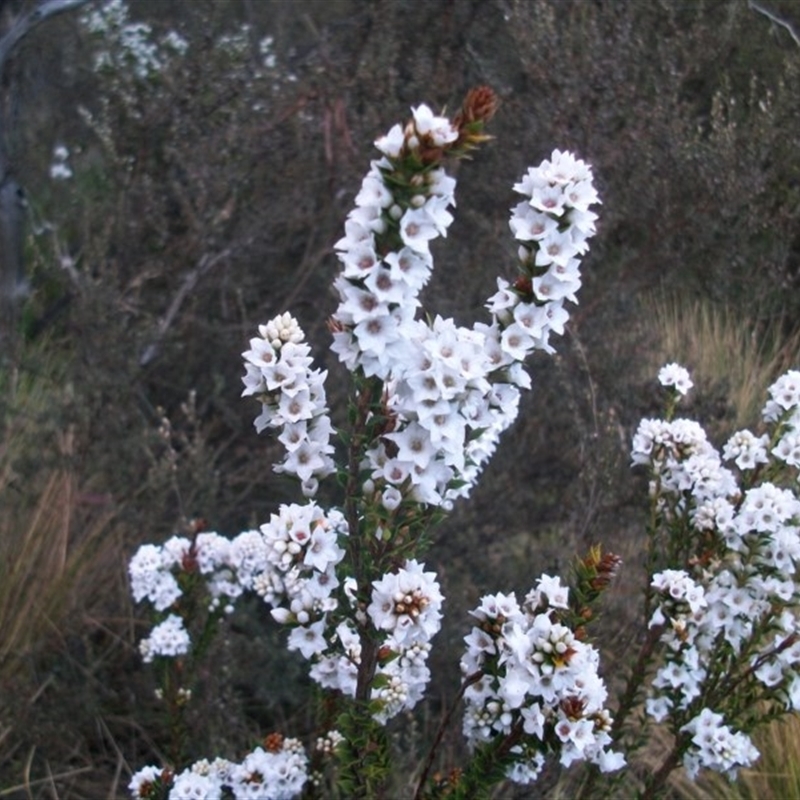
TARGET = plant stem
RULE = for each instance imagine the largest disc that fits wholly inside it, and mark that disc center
(656, 781)
(365, 771)
(487, 767)
(635, 681)
(474, 678)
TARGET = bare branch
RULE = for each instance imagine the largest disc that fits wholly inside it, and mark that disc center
(189, 282)
(26, 23)
(776, 19)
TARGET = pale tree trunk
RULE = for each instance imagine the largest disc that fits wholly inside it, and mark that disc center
(13, 284)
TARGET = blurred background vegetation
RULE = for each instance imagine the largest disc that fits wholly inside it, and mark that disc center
(204, 198)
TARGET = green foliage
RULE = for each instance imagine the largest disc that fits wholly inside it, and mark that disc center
(364, 755)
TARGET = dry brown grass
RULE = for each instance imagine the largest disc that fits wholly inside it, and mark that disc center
(47, 546)
(725, 350)
(60, 547)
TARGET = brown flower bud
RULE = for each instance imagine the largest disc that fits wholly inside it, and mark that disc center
(480, 105)
(273, 742)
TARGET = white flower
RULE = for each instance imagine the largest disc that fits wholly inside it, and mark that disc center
(439, 129)
(549, 199)
(558, 247)
(528, 224)
(785, 392)
(564, 169)
(151, 578)
(391, 498)
(392, 143)
(716, 746)
(190, 785)
(309, 640)
(169, 638)
(548, 592)
(676, 376)
(141, 781)
(322, 549)
(407, 604)
(788, 448)
(265, 775)
(374, 191)
(409, 266)
(417, 228)
(413, 445)
(747, 449)
(659, 707)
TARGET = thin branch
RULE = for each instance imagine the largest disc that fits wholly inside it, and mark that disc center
(189, 282)
(776, 19)
(469, 681)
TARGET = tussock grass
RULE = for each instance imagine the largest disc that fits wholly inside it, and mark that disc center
(726, 351)
(45, 554)
(60, 547)
(46, 560)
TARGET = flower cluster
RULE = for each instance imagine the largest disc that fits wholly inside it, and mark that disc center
(677, 377)
(60, 170)
(429, 402)
(553, 226)
(716, 746)
(292, 397)
(783, 408)
(167, 639)
(446, 414)
(290, 562)
(405, 610)
(735, 600)
(450, 390)
(300, 551)
(130, 45)
(407, 605)
(386, 255)
(277, 773)
(531, 680)
(682, 460)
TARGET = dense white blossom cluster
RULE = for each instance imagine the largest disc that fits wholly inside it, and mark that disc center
(279, 773)
(553, 225)
(405, 610)
(292, 396)
(682, 460)
(152, 578)
(433, 398)
(716, 746)
(742, 597)
(528, 671)
(301, 551)
(407, 605)
(784, 406)
(290, 562)
(451, 390)
(168, 639)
